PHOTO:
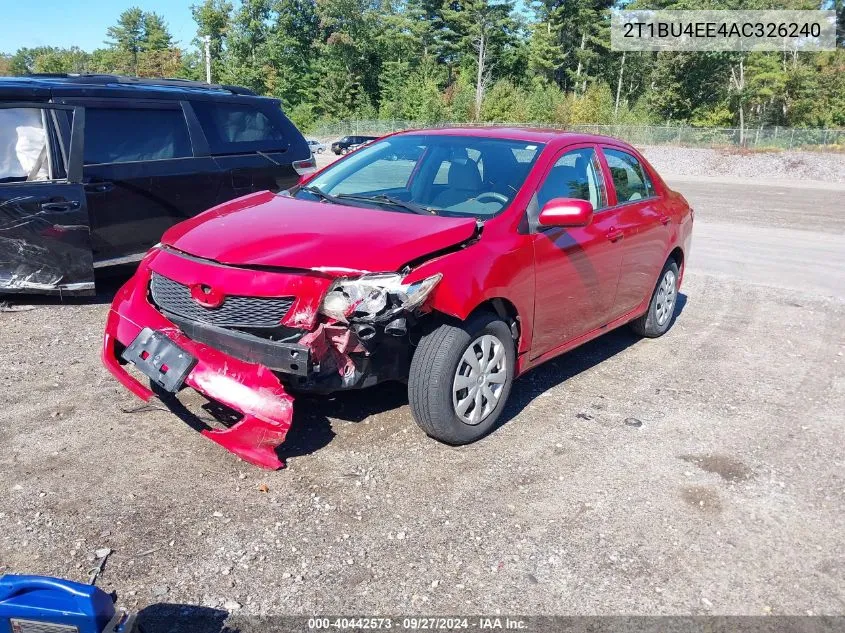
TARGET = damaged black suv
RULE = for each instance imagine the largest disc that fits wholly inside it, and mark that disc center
(94, 168)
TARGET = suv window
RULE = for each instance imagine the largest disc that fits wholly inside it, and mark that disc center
(23, 145)
(576, 174)
(122, 135)
(629, 178)
(237, 127)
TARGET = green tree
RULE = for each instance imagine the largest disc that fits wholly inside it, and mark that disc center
(213, 18)
(505, 103)
(288, 51)
(478, 32)
(155, 36)
(128, 34)
(140, 44)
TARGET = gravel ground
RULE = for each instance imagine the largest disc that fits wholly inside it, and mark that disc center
(698, 473)
(791, 165)
(690, 161)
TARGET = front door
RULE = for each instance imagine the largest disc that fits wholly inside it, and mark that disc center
(576, 269)
(45, 242)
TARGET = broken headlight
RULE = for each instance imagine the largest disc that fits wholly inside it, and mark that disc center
(375, 297)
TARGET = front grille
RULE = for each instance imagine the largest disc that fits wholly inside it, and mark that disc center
(236, 311)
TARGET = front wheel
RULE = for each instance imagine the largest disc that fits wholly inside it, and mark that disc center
(661, 309)
(461, 377)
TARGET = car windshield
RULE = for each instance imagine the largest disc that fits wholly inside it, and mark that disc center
(429, 173)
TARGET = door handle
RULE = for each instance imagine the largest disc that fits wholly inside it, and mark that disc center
(615, 236)
(68, 205)
(98, 187)
(665, 219)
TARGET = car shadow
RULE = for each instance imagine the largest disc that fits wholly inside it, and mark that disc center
(311, 429)
(189, 618)
(558, 370)
(182, 618)
(312, 414)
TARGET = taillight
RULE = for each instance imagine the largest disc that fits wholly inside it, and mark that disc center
(305, 167)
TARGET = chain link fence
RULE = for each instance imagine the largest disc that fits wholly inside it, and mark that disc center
(753, 138)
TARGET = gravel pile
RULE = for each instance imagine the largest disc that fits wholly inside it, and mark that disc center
(794, 165)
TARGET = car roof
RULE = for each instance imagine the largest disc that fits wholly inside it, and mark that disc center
(45, 86)
(527, 134)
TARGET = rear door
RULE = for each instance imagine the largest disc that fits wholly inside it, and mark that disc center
(576, 269)
(45, 244)
(252, 142)
(146, 169)
(644, 223)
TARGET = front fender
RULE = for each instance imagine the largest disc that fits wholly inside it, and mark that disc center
(488, 269)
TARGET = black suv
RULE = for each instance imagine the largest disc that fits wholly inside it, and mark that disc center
(342, 146)
(94, 168)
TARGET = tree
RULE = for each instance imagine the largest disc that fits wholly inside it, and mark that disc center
(288, 50)
(392, 84)
(478, 31)
(155, 36)
(213, 18)
(140, 44)
(48, 59)
(127, 35)
(504, 103)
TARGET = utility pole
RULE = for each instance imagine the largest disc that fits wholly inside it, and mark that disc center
(207, 40)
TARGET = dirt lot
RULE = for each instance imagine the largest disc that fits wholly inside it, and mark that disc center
(699, 473)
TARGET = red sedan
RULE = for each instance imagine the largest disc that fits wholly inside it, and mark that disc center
(454, 260)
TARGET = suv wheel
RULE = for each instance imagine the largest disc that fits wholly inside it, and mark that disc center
(657, 320)
(461, 377)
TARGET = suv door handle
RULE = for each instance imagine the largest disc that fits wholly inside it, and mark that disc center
(98, 187)
(614, 235)
(68, 205)
(665, 219)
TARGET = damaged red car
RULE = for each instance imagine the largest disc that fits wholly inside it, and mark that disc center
(453, 260)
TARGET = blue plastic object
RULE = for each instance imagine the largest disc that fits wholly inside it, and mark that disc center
(52, 601)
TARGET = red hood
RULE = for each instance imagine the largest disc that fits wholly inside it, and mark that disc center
(269, 230)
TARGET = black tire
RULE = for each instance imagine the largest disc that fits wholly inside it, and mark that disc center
(433, 372)
(656, 322)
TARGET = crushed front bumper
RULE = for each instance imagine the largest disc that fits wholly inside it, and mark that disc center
(250, 388)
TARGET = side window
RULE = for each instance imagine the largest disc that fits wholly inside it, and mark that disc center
(629, 178)
(122, 135)
(576, 174)
(237, 127)
(24, 148)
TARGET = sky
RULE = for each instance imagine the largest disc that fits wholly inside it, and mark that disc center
(82, 23)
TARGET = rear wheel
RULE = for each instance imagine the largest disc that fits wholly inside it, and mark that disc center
(661, 309)
(461, 377)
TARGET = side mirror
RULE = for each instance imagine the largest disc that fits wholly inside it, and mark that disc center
(566, 212)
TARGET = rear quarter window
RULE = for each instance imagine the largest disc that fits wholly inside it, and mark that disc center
(232, 128)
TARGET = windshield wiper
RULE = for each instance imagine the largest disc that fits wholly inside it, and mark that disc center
(383, 198)
(316, 191)
(263, 155)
